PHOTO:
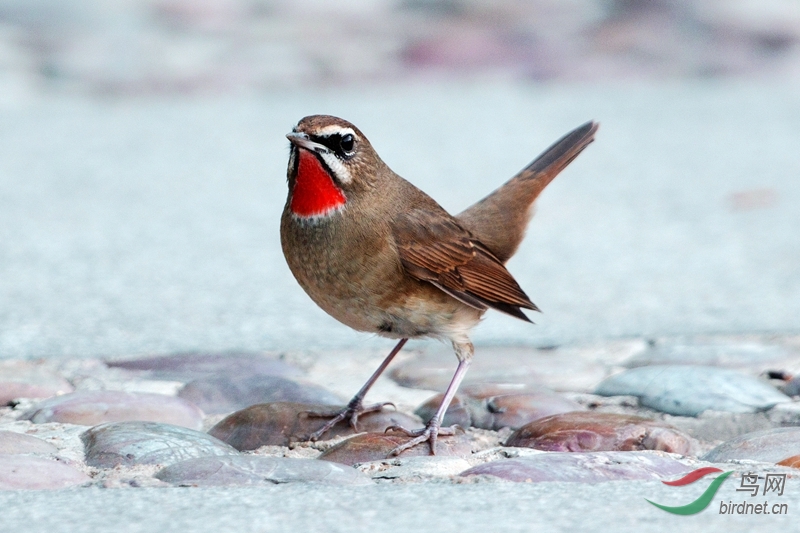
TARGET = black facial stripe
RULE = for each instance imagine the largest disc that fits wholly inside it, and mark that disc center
(333, 143)
(295, 159)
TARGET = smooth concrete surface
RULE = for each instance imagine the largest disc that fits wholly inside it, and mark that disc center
(143, 226)
(472, 508)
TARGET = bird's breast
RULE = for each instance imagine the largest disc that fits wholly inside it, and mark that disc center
(352, 270)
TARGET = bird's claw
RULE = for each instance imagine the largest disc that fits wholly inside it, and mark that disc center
(429, 433)
(351, 413)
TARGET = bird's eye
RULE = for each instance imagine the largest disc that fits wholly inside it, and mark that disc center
(347, 143)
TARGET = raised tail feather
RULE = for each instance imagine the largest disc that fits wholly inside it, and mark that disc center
(499, 220)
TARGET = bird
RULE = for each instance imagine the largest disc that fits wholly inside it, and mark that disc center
(381, 256)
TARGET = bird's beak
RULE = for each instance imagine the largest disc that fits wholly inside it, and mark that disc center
(303, 141)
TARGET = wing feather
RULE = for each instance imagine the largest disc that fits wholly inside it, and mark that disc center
(433, 247)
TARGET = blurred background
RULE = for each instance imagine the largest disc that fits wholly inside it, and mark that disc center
(142, 161)
(126, 48)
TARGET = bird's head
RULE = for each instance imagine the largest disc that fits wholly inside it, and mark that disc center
(330, 161)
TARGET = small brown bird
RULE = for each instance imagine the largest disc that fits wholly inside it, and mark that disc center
(381, 256)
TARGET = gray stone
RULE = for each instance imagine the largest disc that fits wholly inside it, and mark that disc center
(228, 393)
(689, 390)
(744, 355)
(792, 388)
(589, 467)
(563, 369)
(239, 470)
(716, 426)
(31, 472)
(18, 443)
(90, 408)
(194, 365)
(769, 446)
(785, 414)
(149, 443)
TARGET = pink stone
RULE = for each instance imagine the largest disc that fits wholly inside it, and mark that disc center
(593, 467)
(90, 408)
(593, 431)
(31, 472)
(27, 379)
(16, 443)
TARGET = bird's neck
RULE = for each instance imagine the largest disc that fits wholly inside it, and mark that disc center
(314, 194)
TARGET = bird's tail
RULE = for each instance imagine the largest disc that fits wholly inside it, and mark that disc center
(499, 220)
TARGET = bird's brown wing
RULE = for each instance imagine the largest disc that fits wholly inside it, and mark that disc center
(433, 247)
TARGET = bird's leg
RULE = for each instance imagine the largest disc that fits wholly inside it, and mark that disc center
(433, 429)
(355, 407)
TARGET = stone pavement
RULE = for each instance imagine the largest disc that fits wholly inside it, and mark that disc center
(163, 475)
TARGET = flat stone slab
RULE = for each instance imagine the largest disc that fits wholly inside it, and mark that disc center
(282, 423)
(27, 379)
(249, 470)
(36, 473)
(587, 431)
(590, 467)
(689, 390)
(769, 446)
(377, 446)
(89, 408)
(194, 365)
(18, 443)
(562, 369)
(229, 393)
(420, 468)
(148, 443)
(496, 406)
(752, 356)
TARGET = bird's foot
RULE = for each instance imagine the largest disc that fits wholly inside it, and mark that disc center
(350, 413)
(427, 434)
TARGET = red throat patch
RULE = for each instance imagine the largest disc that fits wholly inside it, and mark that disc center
(314, 193)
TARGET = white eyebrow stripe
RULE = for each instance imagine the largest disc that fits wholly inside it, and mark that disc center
(334, 129)
(336, 166)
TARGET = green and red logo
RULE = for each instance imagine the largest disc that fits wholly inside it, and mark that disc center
(700, 503)
(750, 482)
